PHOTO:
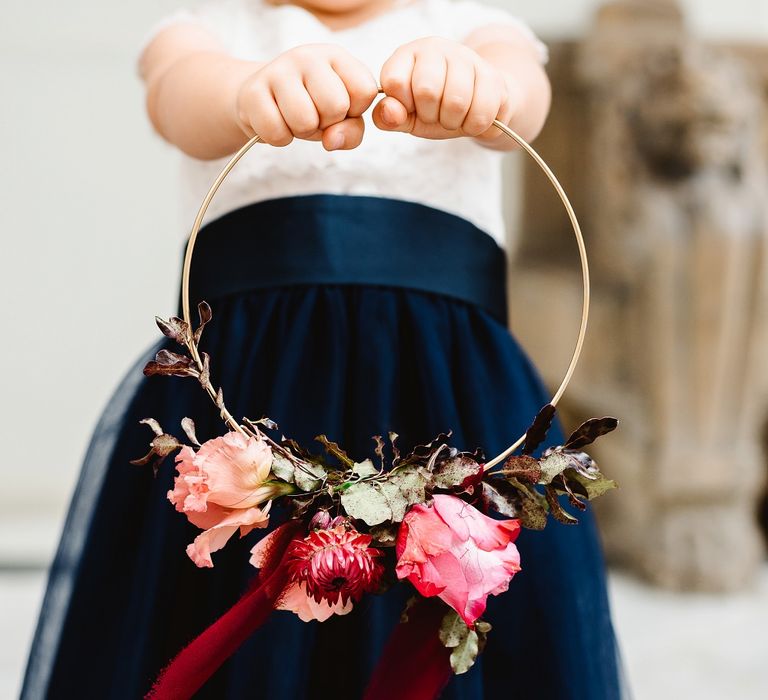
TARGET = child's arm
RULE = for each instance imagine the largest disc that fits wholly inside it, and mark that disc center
(437, 88)
(208, 104)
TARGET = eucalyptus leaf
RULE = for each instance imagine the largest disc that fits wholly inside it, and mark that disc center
(376, 502)
(404, 487)
(364, 469)
(463, 642)
(455, 471)
(366, 501)
(594, 487)
(553, 465)
(453, 630)
(283, 468)
(309, 477)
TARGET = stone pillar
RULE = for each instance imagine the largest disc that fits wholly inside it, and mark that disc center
(661, 141)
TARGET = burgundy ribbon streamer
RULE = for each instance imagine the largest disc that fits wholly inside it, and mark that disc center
(197, 662)
(415, 665)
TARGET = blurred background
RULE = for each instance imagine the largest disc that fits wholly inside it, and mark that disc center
(658, 131)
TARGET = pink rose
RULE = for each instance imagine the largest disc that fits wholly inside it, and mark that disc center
(219, 489)
(451, 550)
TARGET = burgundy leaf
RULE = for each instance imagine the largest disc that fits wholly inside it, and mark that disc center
(537, 433)
(524, 467)
(379, 450)
(205, 314)
(171, 364)
(160, 447)
(563, 484)
(561, 515)
(174, 328)
(205, 375)
(589, 431)
(268, 423)
(395, 451)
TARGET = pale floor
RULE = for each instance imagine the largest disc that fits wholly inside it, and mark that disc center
(675, 646)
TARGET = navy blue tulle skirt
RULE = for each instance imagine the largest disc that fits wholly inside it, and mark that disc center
(349, 316)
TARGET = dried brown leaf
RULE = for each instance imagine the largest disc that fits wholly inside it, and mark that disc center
(174, 328)
(153, 424)
(523, 467)
(333, 448)
(561, 515)
(589, 431)
(537, 433)
(205, 314)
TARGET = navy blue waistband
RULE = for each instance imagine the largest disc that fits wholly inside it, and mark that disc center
(340, 240)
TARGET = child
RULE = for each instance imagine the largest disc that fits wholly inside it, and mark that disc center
(358, 286)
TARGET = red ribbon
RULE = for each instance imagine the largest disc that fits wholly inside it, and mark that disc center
(414, 666)
(196, 663)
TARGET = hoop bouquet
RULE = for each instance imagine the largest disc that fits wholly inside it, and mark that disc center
(440, 520)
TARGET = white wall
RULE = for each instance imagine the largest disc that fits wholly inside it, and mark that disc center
(90, 236)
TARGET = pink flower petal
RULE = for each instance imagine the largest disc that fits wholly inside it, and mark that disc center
(217, 536)
(296, 599)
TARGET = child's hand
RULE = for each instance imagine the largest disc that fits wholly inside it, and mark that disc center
(314, 92)
(437, 88)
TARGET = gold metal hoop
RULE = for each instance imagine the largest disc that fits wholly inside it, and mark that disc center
(537, 159)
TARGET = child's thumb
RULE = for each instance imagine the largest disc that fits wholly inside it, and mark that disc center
(391, 115)
(344, 135)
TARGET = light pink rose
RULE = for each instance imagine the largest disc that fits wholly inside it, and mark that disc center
(220, 488)
(451, 550)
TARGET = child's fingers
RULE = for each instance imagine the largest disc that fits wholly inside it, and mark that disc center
(428, 85)
(486, 101)
(457, 95)
(359, 82)
(297, 107)
(260, 112)
(344, 135)
(391, 115)
(396, 76)
(328, 93)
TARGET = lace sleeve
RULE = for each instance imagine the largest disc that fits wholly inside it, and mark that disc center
(219, 17)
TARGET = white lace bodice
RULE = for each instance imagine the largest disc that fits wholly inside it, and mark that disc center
(456, 175)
